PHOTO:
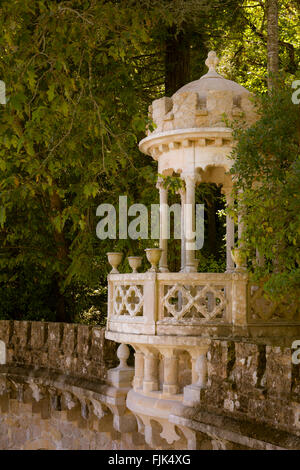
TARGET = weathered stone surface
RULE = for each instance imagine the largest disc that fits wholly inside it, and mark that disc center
(251, 383)
(73, 349)
(279, 371)
(20, 429)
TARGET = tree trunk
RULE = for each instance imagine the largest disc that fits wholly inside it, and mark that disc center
(272, 42)
(177, 61)
(60, 302)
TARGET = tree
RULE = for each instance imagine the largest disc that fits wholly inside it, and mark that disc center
(67, 139)
(267, 169)
(79, 77)
(243, 47)
(272, 42)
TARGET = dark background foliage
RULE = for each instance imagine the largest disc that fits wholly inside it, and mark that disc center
(80, 75)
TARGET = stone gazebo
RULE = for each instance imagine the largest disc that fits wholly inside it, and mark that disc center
(170, 318)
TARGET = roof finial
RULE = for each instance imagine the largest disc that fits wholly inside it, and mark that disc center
(212, 61)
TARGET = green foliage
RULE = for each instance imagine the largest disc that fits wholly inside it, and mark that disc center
(25, 296)
(210, 264)
(79, 77)
(90, 306)
(172, 183)
(68, 133)
(267, 164)
(243, 46)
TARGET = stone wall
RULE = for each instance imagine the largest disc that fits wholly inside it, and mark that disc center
(25, 426)
(254, 381)
(252, 396)
(53, 390)
(53, 393)
(70, 348)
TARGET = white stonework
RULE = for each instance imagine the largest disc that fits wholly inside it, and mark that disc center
(170, 318)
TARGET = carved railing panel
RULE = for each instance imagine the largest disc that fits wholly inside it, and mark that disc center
(262, 310)
(138, 302)
(202, 298)
(201, 302)
(132, 303)
(128, 300)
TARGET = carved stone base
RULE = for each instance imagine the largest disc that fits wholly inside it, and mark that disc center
(120, 377)
(191, 395)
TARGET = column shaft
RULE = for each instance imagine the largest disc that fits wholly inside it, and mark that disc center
(182, 194)
(189, 223)
(163, 225)
(138, 369)
(201, 370)
(170, 384)
(229, 236)
(150, 382)
(240, 234)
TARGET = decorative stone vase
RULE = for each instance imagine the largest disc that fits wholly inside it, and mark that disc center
(239, 259)
(135, 262)
(114, 259)
(153, 256)
(123, 355)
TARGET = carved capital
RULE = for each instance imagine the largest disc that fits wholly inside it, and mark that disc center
(161, 185)
(190, 179)
(69, 400)
(36, 391)
(98, 409)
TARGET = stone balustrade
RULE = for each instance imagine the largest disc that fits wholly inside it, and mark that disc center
(174, 322)
(157, 303)
(63, 372)
(165, 303)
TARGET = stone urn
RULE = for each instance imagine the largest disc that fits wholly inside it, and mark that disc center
(135, 262)
(114, 259)
(123, 354)
(239, 258)
(153, 256)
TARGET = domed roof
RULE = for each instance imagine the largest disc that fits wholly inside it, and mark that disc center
(212, 81)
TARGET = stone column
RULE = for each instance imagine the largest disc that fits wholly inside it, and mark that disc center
(138, 369)
(189, 222)
(182, 194)
(240, 227)
(229, 233)
(192, 393)
(239, 299)
(170, 384)
(163, 225)
(201, 370)
(150, 382)
(240, 233)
